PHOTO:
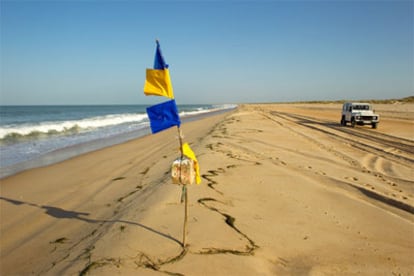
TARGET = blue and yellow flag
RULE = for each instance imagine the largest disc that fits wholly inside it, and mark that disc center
(163, 116)
(157, 81)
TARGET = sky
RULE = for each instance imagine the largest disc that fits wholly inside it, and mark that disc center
(96, 52)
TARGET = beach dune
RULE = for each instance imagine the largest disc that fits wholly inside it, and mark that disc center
(285, 191)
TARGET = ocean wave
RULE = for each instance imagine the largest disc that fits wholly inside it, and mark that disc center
(14, 133)
(201, 110)
(13, 137)
(10, 134)
(225, 106)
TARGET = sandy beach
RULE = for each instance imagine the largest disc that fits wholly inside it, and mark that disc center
(285, 190)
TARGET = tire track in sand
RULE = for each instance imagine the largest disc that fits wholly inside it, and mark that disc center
(385, 150)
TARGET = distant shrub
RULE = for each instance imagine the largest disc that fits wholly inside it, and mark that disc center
(409, 99)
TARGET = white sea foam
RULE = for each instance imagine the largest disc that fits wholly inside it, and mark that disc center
(73, 126)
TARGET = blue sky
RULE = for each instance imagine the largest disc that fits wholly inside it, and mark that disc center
(96, 52)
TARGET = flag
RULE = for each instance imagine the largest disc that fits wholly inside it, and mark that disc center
(187, 151)
(159, 61)
(158, 81)
(163, 116)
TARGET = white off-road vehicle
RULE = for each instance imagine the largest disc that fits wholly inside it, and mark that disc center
(359, 114)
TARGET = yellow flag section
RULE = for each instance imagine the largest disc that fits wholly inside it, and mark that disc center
(187, 151)
(158, 83)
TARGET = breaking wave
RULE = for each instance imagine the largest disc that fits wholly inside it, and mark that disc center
(16, 133)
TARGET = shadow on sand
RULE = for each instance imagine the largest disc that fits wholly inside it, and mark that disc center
(60, 213)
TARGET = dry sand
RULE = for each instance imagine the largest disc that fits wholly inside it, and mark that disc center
(285, 191)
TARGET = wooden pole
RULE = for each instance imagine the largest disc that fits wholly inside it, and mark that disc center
(184, 191)
(180, 139)
(185, 214)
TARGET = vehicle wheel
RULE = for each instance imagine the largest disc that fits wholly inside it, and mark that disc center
(374, 125)
(353, 122)
(343, 122)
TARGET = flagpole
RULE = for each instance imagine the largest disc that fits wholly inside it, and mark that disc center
(185, 214)
(153, 87)
(180, 139)
(184, 190)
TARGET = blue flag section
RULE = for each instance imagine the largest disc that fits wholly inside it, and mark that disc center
(163, 116)
(159, 62)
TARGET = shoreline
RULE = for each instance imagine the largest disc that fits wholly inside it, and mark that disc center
(285, 190)
(72, 151)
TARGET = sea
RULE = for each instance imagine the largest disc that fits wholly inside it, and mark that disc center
(34, 136)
